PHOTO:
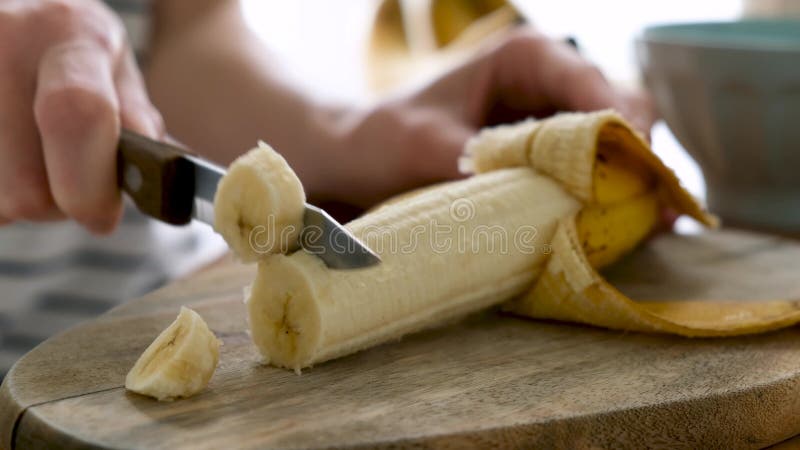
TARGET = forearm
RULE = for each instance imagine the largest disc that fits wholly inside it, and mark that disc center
(219, 90)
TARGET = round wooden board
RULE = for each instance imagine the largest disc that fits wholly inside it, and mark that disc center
(490, 381)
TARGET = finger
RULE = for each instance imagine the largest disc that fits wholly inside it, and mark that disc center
(571, 82)
(666, 224)
(76, 111)
(137, 113)
(443, 141)
(535, 75)
(427, 153)
(23, 179)
(532, 72)
(638, 107)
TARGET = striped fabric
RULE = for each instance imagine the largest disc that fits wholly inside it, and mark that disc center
(56, 275)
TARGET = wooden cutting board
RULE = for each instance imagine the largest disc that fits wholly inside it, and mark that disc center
(490, 381)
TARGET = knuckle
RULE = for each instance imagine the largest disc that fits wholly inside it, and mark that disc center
(58, 10)
(12, 37)
(584, 71)
(54, 17)
(71, 107)
(581, 73)
(27, 27)
(107, 38)
(63, 19)
(525, 42)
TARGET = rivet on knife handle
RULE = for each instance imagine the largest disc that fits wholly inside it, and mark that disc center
(156, 176)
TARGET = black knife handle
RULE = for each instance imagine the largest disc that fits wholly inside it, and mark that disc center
(157, 177)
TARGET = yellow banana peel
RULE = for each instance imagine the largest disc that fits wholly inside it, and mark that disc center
(618, 213)
(412, 40)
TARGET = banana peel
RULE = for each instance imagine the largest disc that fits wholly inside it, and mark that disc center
(570, 288)
(412, 40)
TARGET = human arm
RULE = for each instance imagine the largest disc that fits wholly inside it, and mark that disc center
(69, 83)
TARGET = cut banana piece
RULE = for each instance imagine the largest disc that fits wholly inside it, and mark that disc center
(179, 362)
(259, 204)
(445, 252)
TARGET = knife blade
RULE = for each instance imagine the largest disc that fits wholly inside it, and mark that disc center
(169, 184)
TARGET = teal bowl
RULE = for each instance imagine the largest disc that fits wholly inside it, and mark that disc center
(730, 92)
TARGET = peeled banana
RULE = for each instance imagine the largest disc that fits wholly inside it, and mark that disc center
(445, 252)
(179, 362)
(552, 202)
(536, 175)
(259, 204)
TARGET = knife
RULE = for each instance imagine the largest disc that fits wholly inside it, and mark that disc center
(171, 185)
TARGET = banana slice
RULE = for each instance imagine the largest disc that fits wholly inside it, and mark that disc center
(259, 204)
(179, 362)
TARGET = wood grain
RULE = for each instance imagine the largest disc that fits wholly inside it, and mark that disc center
(490, 381)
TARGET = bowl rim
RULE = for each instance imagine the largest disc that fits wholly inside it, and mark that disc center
(653, 34)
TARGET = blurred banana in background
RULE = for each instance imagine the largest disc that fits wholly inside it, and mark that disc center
(415, 39)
